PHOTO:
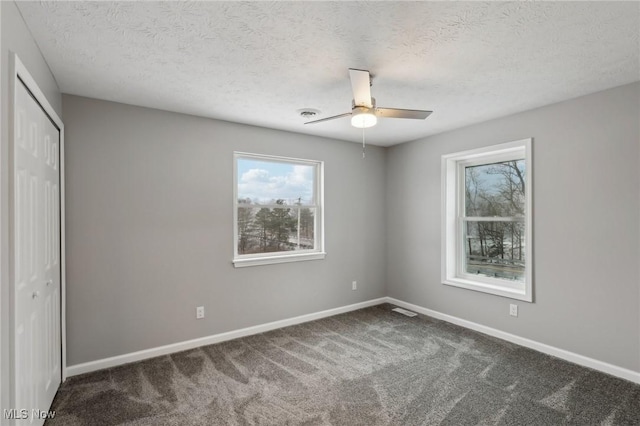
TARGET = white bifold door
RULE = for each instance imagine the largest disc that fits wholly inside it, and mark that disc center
(36, 203)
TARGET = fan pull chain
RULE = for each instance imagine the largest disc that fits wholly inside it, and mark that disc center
(363, 143)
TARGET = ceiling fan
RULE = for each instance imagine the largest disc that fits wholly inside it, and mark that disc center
(364, 112)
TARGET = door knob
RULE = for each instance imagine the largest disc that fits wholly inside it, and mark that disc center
(35, 294)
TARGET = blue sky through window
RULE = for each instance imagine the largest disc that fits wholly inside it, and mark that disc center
(266, 181)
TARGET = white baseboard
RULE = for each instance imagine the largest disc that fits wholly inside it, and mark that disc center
(614, 370)
(88, 367)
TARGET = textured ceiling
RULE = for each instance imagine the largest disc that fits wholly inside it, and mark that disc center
(260, 62)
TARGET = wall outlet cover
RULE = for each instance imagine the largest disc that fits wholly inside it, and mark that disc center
(513, 310)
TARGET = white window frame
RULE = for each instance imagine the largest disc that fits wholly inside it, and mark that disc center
(317, 253)
(453, 247)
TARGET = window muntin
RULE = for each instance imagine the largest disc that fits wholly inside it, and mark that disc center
(277, 209)
(486, 220)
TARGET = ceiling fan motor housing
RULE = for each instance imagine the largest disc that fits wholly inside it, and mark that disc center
(373, 104)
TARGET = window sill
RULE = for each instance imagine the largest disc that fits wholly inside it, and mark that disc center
(499, 290)
(270, 260)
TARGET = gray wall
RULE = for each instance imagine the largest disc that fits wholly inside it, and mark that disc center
(14, 37)
(586, 229)
(150, 229)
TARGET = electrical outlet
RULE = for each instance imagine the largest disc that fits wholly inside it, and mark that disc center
(513, 310)
(354, 285)
(200, 312)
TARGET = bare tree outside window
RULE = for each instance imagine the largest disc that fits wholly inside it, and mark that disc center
(494, 220)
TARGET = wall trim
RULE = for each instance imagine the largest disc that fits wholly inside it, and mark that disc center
(575, 358)
(114, 361)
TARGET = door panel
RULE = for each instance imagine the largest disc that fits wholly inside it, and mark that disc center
(37, 254)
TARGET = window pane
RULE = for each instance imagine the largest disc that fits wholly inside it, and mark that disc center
(496, 189)
(269, 230)
(495, 249)
(265, 182)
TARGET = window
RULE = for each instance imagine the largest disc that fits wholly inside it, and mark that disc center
(487, 220)
(277, 210)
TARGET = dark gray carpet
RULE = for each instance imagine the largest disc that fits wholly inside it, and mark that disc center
(368, 367)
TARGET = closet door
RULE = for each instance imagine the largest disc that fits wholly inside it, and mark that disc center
(36, 258)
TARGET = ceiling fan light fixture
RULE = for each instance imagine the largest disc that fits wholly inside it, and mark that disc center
(362, 118)
(364, 112)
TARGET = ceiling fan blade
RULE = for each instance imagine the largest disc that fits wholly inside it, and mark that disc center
(361, 86)
(402, 113)
(328, 118)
